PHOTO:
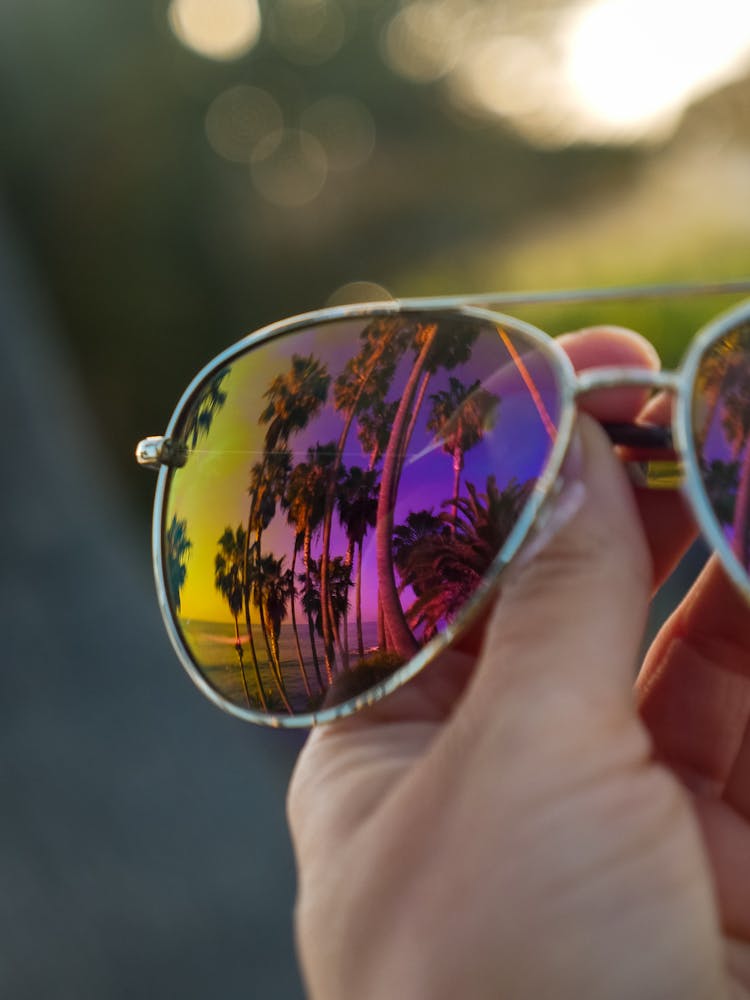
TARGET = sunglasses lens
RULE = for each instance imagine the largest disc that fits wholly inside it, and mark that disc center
(721, 425)
(346, 488)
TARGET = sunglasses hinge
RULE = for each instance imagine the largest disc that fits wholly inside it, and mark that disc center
(154, 452)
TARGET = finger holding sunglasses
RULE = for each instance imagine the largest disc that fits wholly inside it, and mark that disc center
(668, 522)
(530, 845)
(694, 693)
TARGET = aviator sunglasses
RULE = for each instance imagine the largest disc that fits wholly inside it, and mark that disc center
(340, 492)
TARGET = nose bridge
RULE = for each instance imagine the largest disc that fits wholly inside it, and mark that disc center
(615, 378)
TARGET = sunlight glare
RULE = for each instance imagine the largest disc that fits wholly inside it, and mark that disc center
(634, 65)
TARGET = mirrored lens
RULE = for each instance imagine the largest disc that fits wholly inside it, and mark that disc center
(346, 487)
(721, 424)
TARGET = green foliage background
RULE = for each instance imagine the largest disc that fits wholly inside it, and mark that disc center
(157, 253)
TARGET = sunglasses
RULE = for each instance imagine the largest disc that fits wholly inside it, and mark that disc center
(340, 492)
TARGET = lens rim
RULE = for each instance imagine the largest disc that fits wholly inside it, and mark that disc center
(565, 377)
(684, 436)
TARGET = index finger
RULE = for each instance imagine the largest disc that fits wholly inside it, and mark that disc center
(694, 688)
(667, 520)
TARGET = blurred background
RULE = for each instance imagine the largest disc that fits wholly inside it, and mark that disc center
(175, 174)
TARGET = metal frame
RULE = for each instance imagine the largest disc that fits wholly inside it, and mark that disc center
(158, 453)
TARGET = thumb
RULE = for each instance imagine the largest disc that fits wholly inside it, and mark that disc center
(562, 643)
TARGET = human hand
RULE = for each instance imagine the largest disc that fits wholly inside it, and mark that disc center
(516, 822)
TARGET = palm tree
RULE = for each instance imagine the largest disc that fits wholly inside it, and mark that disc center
(365, 379)
(339, 585)
(717, 374)
(374, 428)
(721, 480)
(273, 590)
(229, 580)
(268, 480)
(459, 417)
(443, 344)
(410, 540)
(253, 593)
(445, 568)
(178, 546)
(373, 431)
(340, 581)
(358, 506)
(735, 403)
(298, 542)
(304, 501)
(210, 401)
(294, 399)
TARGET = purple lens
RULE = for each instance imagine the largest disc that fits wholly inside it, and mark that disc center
(347, 486)
(721, 425)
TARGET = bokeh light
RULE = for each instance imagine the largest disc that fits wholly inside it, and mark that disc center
(345, 128)
(289, 168)
(358, 291)
(217, 29)
(307, 32)
(239, 118)
(421, 42)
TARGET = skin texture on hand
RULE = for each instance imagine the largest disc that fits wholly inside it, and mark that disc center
(517, 821)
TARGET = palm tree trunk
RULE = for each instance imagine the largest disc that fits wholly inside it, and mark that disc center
(410, 429)
(300, 658)
(272, 659)
(382, 640)
(358, 601)
(348, 560)
(248, 621)
(398, 629)
(253, 653)
(326, 608)
(267, 639)
(458, 462)
(273, 636)
(325, 590)
(246, 576)
(306, 556)
(238, 647)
